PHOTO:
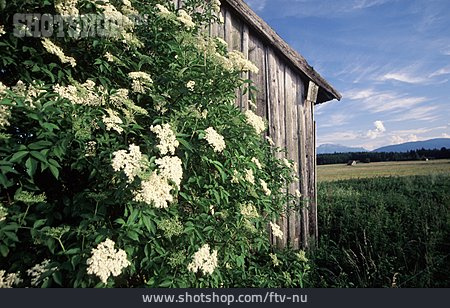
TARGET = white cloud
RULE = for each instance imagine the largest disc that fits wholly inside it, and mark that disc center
(337, 137)
(422, 113)
(379, 130)
(397, 139)
(440, 72)
(257, 5)
(382, 101)
(403, 77)
(336, 119)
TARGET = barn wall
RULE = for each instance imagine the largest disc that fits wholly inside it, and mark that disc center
(286, 99)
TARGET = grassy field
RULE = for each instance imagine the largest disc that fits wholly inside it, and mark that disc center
(384, 232)
(326, 173)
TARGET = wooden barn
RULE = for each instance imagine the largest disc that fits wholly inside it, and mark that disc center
(288, 90)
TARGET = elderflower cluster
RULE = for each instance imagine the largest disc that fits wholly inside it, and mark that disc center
(167, 138)
(215, 139)
(5, 114)
(255, 121)
(190, 85)
(2, 30)
(249, 211)
(57, 51)
(106, 261)
(109, 57)
(221, 42)
(276, 230)
(3, 213)
(249, 176)
(87, 94)
(171, 169)
(171, 227)
(155, 190)
(270, 141)
(204, 260)
(241, 63)
(257, 163)
(215, 5)
(163, 12)
(185, 19)
(141, 81)
(132, 163)
(9, 280)
(36, 272)
(274, 258)
(297, 193)
(112, 121)
(264, 187)
(67, 7)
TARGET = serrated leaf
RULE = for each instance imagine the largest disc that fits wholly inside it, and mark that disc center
(18, 156)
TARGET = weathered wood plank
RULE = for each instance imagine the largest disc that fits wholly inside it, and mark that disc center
(291, 94)
(257, 54)
(277, 128)
(245, 42)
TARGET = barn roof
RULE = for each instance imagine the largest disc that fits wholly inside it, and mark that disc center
(326, 91)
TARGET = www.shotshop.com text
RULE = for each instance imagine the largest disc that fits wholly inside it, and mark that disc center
(267, 297)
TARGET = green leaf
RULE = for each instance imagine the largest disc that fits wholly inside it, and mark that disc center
(4, 250)
(57, 277)
(31, 166)
(18, 156)
(186, 144)
(166, 284)
(39, 156)
(54, 171)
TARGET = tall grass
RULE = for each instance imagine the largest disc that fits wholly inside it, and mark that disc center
(384, 232)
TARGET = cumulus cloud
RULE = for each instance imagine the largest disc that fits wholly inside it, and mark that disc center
(379, 129)
(397, 139)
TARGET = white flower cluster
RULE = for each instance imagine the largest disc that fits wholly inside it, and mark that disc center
(190, 85)
(109, 57)
(241, 63)
(204, 260)
(221, 42)
(121, 27)
(90, 148)
(249, 176)
(215, 139)
(132, 163)
(141, 81)
(167, 139)
(106, 261)
(257, 163)
(185, 19)
(87, 94)
(297, 193)
(164, 12)
(57, 51)
(2, 30)
(256, 121)
(215, 4)
(276, 230)
(274, 258)
(171, 169)
(3, 212)
(264, 187)
(67, 7)
(112, 121)
(270, 141)
(155, 190)
(9, 280)
(249, 211)
(36, 272)
(5, 114)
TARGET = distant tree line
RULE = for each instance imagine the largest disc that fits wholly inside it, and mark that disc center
(367, 157)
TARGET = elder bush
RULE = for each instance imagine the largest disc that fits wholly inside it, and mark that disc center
(124, 162)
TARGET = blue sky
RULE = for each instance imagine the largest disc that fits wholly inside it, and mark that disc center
(390, 59)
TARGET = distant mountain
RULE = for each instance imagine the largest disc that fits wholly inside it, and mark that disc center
(337, 148)
(417, 145)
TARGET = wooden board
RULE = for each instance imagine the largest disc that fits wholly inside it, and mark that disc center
(291, 94)
(277, 127)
